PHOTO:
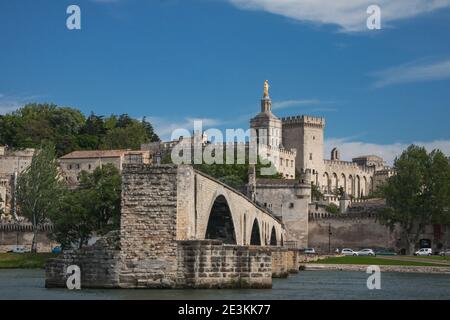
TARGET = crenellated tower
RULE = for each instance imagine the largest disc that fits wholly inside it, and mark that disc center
(306, 134)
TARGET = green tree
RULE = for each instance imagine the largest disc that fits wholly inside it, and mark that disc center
(235, 175)
(105, 183)
(151, 134)
(91, 209)
(30, 125)
(39, 189)
(128, 137)
(332, 208)
(74, 224)
(69, 130)
(316, 194)
(418, 194)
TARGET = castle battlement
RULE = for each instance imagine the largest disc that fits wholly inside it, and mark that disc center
(280, 150)
(341, 163)
(304, 120)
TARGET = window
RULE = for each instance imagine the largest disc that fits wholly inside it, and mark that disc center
(310, 156)
(287, 162)
(291, 205)
(281, 161)
(78, 166)
(69, 166)
(89, 166)
(292, 163)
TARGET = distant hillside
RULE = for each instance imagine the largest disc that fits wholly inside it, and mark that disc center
(70, 130)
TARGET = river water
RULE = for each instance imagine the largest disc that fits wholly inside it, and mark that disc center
(29, 284)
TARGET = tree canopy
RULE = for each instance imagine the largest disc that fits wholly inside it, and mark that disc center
(418, 194)
(68, 129)
(40, 189)
(91, 209)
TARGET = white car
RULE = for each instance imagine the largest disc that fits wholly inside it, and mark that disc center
(20, 250)
(366, 252)
(310, 251)
(349, 252)
(424, 252)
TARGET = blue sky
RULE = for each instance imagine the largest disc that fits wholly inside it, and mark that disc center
(178, 60)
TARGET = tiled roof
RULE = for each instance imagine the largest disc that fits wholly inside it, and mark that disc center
(95, 154)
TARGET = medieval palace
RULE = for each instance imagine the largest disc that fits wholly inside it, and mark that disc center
(296, 146)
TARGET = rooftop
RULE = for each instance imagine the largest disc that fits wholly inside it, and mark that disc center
(97, 154)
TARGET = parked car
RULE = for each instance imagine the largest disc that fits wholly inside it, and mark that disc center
(19, 249)
(424, 252)
(445, 252)
(349, 252)
(310, 251)
(366, 252)
(385, 252)
(56, 249)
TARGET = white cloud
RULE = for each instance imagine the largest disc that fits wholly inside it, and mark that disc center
(350, 149)
(294, 103)
(412, 72)
(165, 127)
(349, 15)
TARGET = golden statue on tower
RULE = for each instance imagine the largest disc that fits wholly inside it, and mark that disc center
(266, 89)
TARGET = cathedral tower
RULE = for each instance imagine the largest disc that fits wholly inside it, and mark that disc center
(266, 124)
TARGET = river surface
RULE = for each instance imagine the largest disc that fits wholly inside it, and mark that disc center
(29, 284)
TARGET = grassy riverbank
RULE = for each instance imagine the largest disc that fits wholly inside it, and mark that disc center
(24, 260)
(376, 261)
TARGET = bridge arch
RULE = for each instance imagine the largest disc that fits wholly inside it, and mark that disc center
(273, 237)
(220, 222)
(255, 235)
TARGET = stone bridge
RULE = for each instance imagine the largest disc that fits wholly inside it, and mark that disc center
(209, 209)
(181, 228)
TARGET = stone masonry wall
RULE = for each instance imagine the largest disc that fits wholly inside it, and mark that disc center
(12, 235)
(149, 226)
(99, 264)
(211, 264)
(284, 262)
(357, 233)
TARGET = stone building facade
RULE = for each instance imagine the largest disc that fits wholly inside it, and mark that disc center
(73, 163)
(289, 200)
(358, 178)
(12, 163)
